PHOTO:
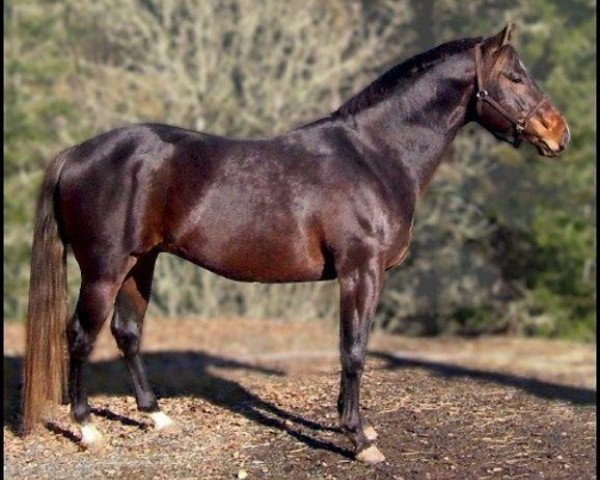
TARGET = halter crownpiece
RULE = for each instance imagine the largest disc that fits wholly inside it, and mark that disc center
(519, 124)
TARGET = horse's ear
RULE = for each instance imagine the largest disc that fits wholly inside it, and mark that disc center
(507, 33)
(501, 38)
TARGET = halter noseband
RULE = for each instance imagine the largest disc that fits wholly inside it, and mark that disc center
(518, 123)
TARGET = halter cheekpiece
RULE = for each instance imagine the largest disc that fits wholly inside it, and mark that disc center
(519, 124)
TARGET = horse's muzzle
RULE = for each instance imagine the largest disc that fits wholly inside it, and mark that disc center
(551, 145)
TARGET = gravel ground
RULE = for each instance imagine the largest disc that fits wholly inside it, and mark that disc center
(256, 398)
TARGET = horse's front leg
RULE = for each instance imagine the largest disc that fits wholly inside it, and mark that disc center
(360, 288)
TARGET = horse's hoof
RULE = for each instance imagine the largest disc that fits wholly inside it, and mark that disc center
(91, 438)
(370, 433)
(370, 455)
(164, 424)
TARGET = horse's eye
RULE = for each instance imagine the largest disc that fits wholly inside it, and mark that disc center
(515, 78)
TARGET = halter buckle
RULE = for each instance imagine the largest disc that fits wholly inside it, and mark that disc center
(481, 94)
(520, 126)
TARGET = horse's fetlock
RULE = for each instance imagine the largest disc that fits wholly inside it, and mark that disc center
(81, 413)
(146, 402)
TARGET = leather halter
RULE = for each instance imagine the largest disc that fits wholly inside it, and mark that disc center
(519, 123)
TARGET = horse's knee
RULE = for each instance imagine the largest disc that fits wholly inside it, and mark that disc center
(126, 334)
(353, 360)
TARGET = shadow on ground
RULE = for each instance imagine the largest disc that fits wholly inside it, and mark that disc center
(188, 374)
(539, 388)
(179, 374)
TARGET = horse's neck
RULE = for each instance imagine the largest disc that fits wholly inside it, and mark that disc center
(414, 126)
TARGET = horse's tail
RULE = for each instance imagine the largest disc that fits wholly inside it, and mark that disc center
(45, 367)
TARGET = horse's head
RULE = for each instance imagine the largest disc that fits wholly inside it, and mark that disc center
(510, 104)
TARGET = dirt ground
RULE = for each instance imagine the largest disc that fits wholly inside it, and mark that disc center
(257, 398)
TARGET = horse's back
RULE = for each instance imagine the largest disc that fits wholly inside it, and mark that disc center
(225, 204)
(269, 210)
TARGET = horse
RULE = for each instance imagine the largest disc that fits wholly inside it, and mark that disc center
(332, 199)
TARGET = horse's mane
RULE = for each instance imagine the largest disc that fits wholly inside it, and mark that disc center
(386, 83)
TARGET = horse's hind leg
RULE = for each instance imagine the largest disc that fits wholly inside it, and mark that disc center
(126, 327)
(96, 300)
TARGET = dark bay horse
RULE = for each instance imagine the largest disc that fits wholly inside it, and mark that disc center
(332, 199)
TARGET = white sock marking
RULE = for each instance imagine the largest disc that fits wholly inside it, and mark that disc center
(90, 434)
(160, 420)
(370, 433)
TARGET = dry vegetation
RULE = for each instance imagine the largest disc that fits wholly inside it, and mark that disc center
(492, 250)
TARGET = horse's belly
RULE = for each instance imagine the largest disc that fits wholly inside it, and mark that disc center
(265, 259)
(273, 271)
